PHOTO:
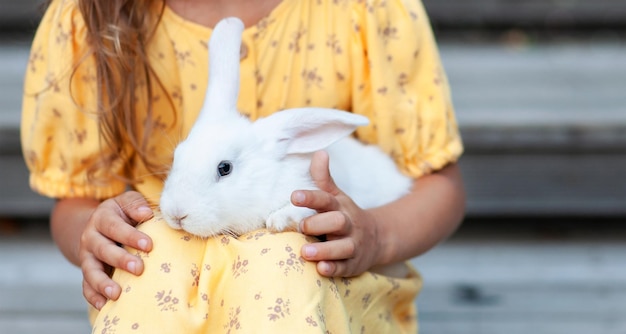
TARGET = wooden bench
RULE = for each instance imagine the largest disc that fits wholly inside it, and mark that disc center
(544, 127)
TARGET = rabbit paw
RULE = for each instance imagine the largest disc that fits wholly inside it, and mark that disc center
(287, 218)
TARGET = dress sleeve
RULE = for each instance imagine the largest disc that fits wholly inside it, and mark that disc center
(400, 84)
(59, 130)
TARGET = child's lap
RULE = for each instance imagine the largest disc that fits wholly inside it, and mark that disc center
(251, 284)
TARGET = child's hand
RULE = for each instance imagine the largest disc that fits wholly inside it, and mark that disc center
(111, 224)
(353, 244)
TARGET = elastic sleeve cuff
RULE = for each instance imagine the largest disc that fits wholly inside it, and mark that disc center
(431, 163)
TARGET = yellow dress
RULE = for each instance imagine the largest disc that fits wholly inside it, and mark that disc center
(377, 58)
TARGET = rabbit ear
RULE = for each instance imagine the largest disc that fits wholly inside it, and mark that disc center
(223, 86)
(306, 130)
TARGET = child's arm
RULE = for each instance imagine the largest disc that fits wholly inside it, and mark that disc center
(88, 233)
(360, 239)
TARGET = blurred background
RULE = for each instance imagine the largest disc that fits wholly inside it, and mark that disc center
(540, 93)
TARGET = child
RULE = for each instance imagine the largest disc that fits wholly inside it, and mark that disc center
(112, 86)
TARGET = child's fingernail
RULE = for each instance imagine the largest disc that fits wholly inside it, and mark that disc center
(99, 305)
(298, 197)
(144, 210)
(143, 244)
(108, 291)
(132, 265)
(324, 268)
(309, 251)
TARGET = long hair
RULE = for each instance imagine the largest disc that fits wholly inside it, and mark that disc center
(118, 32)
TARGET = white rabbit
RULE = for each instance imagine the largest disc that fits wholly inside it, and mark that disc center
(232, 176)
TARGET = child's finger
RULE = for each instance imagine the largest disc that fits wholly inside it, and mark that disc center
(337, 268)
(340, 249)
(327, 268)
(97, 282)
(105, 250)
(92, 296)
(118, 231)
(118, 257)
(317, 200)
(134, 206)
(327, 223)
(320, 172)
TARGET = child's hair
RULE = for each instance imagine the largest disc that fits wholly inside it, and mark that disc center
(118, 32)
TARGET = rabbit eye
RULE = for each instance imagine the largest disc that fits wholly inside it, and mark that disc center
(224, 168)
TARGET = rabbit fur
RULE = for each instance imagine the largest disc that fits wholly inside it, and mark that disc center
(263, 162)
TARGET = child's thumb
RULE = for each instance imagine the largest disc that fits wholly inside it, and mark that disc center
(320, 173)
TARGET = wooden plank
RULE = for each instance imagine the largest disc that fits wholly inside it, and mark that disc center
(546, 85)
(23, 299)
(16, 197)
(545, 184)
(492, 325)
(13, 62)
(524, 308)
(516, 301)
(24, 14)
(558, 13)
(532, 253)
(44, 323)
